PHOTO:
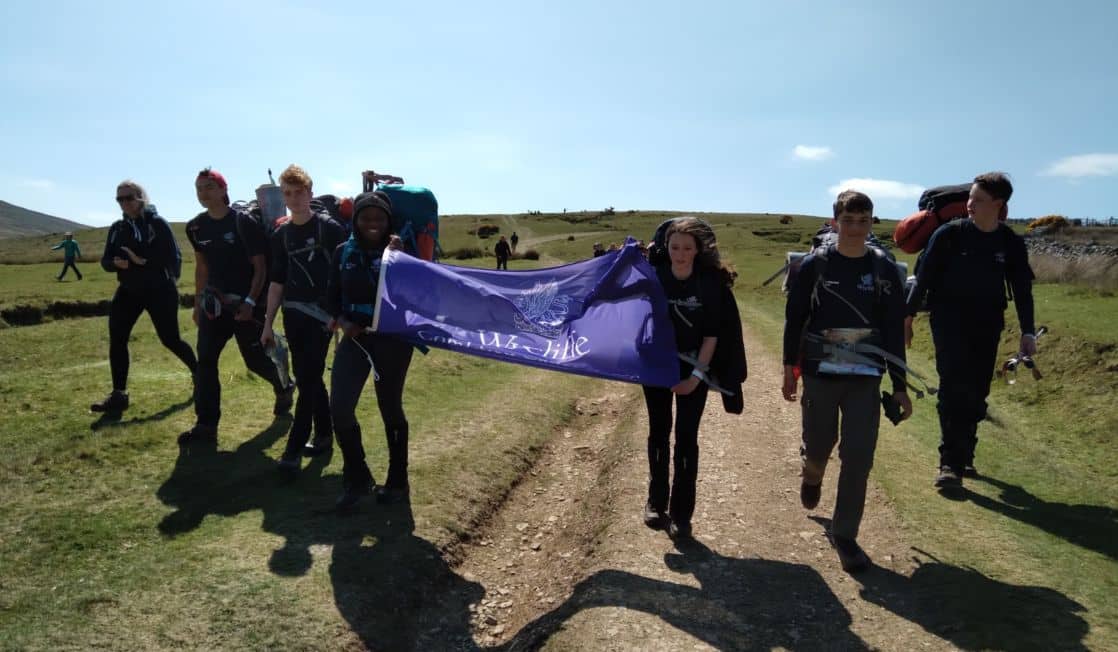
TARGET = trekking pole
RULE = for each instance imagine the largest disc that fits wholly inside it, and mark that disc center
(778, 273)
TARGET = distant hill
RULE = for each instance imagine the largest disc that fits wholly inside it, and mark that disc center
(18, 221)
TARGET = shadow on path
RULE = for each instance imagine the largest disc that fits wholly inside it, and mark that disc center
(741, 604)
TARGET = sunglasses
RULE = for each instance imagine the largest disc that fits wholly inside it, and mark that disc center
(121, 200)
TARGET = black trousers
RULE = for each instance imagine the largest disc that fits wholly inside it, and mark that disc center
(213, 335)
(391, 357)
(680, 502)
(966, 345)
(309, 341)
(69, 263)
(162, 305)
(503, 262)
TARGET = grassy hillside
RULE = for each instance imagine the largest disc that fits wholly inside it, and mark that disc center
(92, 516)
(16, 221)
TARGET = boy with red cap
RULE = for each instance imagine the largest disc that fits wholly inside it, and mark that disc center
(229, 276)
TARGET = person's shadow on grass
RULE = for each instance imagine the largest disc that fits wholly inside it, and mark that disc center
(1094, 527)
(976, 612)
(972, 611)
(395, 589)
(207, 481)
(741, 604)
(117, 420)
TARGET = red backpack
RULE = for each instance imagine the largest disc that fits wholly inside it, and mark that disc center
(937, 206)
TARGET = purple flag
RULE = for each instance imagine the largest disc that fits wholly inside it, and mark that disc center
(604, 317)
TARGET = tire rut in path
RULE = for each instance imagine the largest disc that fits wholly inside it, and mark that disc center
(566, 563)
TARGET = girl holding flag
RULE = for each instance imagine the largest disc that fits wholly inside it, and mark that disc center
(351, 295)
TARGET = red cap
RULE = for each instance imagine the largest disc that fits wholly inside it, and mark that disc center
(210, 173)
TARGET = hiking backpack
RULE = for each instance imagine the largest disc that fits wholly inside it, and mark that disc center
(827, 237)
(936, 207)
(415, 214)
(658, 247)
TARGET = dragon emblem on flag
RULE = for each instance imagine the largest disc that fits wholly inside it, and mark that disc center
(542, 310)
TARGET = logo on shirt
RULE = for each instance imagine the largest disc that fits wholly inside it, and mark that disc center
(542, 310)
(865, 283)
(999, 257)
(229, 237)
(690, 303)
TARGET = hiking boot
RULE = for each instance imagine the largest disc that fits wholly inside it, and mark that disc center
(284, 400)
(352, 496)
(969, 471)
(386, 495)
(199, 434)
(288, 468)
(654, 518)
(321, 444)
(679, 531)
(115, 403)
(850, 554)
(948, 479)
(809, 494)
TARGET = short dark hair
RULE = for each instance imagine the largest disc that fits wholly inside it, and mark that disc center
(996, 184)
(853, 201)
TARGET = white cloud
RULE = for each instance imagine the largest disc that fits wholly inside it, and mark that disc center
(1084, 165)
(879, 188)
(809, 153)
(37, 184)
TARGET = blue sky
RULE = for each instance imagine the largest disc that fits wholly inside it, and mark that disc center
(516, 106)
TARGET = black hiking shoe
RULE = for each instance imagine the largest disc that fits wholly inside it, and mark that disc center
(850, 554)
(809, 494)
(199, 434)
(654, 518)
(319, 445)
(948, 479)
(116, 403)
(679, 531)
(386, 495)
(349, 499)
(284, 400)
(969, 471)
(288, 468)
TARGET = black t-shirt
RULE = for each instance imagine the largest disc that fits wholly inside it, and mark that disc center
(694, 305)
(300, 262)
(228, 245)
(352, 289)
(846, 297)
(966, 270)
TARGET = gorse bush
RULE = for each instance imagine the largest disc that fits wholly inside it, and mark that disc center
(1048, 222)
(465, 253)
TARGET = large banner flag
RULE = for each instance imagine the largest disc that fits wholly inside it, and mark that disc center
(604, 317)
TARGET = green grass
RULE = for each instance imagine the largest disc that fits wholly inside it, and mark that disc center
(109, 537)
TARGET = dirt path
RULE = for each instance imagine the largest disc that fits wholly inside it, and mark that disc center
(531, 242)
(567, 563)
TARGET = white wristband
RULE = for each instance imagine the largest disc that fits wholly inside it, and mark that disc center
(698, 374)
(250, 302)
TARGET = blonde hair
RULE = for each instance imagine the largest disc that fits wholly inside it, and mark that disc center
(296, 176)
(136, 189)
